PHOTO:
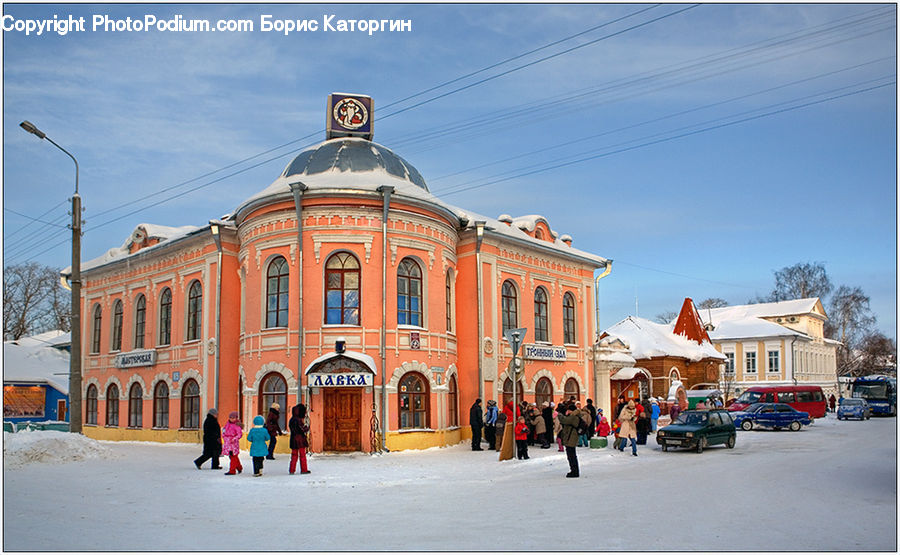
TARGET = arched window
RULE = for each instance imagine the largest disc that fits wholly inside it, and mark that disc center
(568, 319)
(543, 391)
(98, 325)
(161, 405)
(140, 319)
(195, 311)
(342, 289)
(165, 317)
(90, 409)
(572, 390)
(277, 282)
(508, 392)
(540, 315)
(112, 405)
(116, 343)
(409, 293)
(448, 296)
(509, 306)
(190, 405)
(135, 406)
(413, 398)
(273, 389)
(538, 233)
(452, 403)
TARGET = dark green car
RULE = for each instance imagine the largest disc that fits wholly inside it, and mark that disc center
(698, 429)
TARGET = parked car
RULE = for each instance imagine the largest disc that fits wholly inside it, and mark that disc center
(854, 408)
(809, 398)
(771, 415)
(698, 429)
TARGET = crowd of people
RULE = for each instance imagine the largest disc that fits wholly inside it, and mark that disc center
(262, 438)
(568, 424)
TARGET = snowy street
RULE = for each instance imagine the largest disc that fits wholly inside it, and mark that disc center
(831, 486)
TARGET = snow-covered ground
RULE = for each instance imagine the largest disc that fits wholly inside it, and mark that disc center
(832, 486)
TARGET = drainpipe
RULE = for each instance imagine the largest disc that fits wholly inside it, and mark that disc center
(479, 237)
(297, 189)
(215, 227)
(386, 191)
(605, 273)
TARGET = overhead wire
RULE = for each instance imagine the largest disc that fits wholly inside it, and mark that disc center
(540, 111)
(657, 119)
(679, 136)
(383, 117)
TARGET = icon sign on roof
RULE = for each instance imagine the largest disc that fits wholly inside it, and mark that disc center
(349, 115)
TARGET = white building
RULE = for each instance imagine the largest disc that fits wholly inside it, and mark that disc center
(774, 344)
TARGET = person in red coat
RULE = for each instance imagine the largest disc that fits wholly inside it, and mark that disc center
(521, 439)
(299, 441)
(508, 411)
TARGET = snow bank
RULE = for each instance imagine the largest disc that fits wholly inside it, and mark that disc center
(27, 447)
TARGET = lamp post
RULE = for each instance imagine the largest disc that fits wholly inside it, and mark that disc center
(479, 238)
(215, 228)
(75, 358)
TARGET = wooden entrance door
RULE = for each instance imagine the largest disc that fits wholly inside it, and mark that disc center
(342, 419)
(61, 409)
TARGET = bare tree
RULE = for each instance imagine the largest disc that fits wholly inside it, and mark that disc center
(801, 281)
(850, 321)
(877, 353)
(665, 317)
(712, 302)
(32, 302)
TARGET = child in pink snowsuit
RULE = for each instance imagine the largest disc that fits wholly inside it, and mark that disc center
(231, 434)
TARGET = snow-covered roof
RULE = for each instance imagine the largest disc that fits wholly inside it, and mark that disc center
(748, 321)
(648, 339)
(53, 338)
(763, 310)
(351, 164)
(363, 358)
(629, 373)
(33, 360)
(165, 235)
(750, 328)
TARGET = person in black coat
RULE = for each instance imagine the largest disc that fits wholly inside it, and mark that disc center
(590, 406)
(212, 440)
(273, 427)
(547, 415)
(476, 420)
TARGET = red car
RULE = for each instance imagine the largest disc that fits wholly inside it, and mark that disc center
(805, 398)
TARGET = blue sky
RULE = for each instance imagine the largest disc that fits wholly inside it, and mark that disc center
(700, 150)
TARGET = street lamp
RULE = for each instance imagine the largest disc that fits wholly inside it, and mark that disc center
(75, 356)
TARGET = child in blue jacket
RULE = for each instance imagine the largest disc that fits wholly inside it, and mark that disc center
(259, 438)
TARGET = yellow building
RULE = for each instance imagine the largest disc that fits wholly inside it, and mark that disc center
(773, 344)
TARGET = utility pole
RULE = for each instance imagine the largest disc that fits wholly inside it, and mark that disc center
(75, 416)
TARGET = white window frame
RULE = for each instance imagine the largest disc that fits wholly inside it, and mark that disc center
(729, 359)
(770, 349)
(747, 359)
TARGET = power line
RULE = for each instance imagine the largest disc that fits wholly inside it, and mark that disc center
(557, 105)
(10, 210)
(682, 135)
(518, 56)
(535, 62)
(658, 119)
(208, 174)
(19, 230)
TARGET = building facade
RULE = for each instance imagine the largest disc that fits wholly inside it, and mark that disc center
(678, 354)
(344, 285)
(776, 343)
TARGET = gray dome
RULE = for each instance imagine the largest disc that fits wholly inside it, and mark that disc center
(352, 155)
